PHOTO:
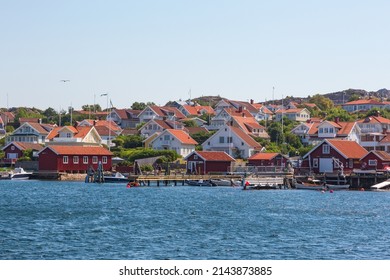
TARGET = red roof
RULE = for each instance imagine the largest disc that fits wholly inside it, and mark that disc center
(245, 137)
(384, 156)
(364, 101)
(263, 156)
(350, 149)
(374, 119)
(214, 156)
(182, 136)
(79, 150)
(26, 146)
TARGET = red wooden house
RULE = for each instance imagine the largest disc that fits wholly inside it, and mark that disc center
(204, 162)
(268, 159)
(14, 150)
(74, 159)
(330, 154)
(375, 160)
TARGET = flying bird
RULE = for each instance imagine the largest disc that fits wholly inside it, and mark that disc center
(64, 81)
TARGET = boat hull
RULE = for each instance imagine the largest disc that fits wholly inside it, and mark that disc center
(199, 183)
(312, 187)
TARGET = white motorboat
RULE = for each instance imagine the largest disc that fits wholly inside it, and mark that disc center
(19, 174)
(117, 177)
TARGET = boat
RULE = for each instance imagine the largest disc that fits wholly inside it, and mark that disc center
(200, 182)
(336, 187)
(19, 174)
(225, 182)
(117, 177)
(316, 185)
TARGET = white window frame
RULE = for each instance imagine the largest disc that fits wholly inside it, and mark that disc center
(104, 160)
(65, 159)
(95, 160)
(85, 159)
(372, 162)
(315, 162)
(76, 159)
(326, 149)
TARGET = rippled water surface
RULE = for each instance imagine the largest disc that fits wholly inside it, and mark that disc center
(74, 220)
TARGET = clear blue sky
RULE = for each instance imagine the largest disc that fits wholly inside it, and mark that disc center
(160, 50)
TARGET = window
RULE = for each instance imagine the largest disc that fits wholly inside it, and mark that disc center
(325, 149)
(166, 137)
(321, 130)
(95, 159)
(331, 130)
(68, 135)
(229, 139)
(76, 160)
(315, 162)
(104, 160)
(85, 159)
(372, 162)
(221, 139)
(65, 159)
(195, 156)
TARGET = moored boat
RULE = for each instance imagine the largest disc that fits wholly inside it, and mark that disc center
(17, 174)
(336, 187)
(117, 177)
(315, 185)
(225, 182)
(200, 182)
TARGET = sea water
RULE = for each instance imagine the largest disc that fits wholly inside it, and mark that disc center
(74, 220)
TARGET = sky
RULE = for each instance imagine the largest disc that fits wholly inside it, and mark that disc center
(157, 51)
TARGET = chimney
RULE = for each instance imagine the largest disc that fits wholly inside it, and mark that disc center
(94, 122)
(240, 109)
(251, 101)
(336, 119)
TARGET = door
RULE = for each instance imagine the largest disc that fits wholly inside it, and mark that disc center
(326, 165)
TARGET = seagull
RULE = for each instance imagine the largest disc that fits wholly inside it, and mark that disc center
(64, 81)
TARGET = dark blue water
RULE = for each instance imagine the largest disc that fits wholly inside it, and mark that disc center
(74, 220)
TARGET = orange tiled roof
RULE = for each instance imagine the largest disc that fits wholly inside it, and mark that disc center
(350, 149)
(79, 150)
(364, 101)
(385, 156)
(245, 137)
(182, 136)
(374, 119)
(214, 156)
(263, 156)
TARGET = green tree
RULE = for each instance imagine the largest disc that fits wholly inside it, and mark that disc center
(338, 112)
(322, 102)
(190, 123)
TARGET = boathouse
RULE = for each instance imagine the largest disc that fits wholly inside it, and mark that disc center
(268, 159)
(376, 160)
(14, 150)
(205, 162)
(73, 159)
(333, 155)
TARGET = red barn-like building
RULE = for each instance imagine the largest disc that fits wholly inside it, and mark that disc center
(14, 150)
(204, 162)
(331, 153)
(73, 159)
(376, 160)
(268, 159)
